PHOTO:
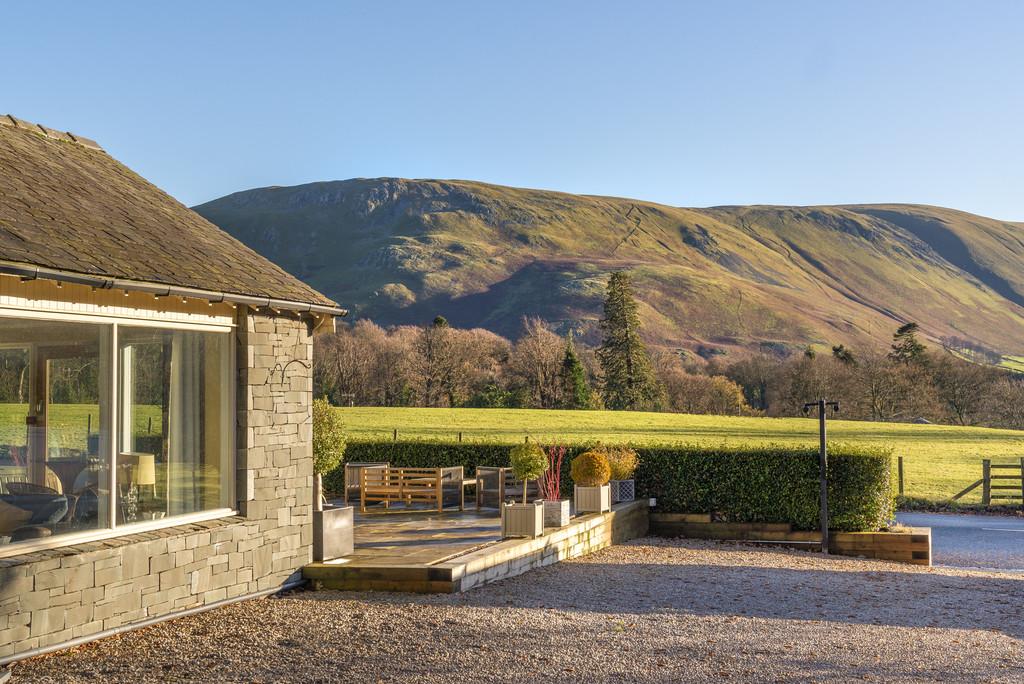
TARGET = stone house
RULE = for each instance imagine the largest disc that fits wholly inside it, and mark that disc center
(155, 402)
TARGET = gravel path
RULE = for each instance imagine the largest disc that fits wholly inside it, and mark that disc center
(653, 610)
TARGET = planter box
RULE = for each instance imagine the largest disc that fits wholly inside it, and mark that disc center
(556, 513)
(592, 499)
(909, 545)
(333, 530)
(623, 490)
(522, 520)
(912, 545)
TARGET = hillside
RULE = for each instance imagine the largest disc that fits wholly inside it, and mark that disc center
(717, 280)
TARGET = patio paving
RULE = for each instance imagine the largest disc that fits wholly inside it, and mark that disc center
(431, 552)
(420, 537)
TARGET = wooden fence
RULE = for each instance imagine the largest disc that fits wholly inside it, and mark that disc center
(1000, 483)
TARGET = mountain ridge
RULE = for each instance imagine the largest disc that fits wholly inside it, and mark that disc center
(726, 279)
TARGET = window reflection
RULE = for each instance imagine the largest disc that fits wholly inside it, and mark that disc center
(52, 478)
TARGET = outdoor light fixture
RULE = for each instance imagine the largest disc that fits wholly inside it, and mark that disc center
(822, 407)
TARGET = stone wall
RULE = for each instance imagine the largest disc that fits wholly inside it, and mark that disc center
(581, 537)
(49, 598)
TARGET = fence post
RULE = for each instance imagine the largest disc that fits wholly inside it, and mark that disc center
(527, 440)
(394, 435)
(900, 472)
(1022, 481)
(986, 485)
(460, 435)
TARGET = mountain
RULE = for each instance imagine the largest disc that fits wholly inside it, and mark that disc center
(717, 280)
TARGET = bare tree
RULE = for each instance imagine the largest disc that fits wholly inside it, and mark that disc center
(962, 388)
(536, 362)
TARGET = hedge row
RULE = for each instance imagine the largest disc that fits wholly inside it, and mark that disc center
(770, 483)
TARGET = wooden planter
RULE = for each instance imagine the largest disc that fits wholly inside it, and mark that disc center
(911, 545)
(333, 530)
(556, 513)
(592, 499)
(623, 490)
(522, 520)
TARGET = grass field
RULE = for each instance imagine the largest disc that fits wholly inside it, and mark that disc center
(939, 460)
(69, 423)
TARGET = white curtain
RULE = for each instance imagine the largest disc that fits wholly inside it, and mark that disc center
(185, 425)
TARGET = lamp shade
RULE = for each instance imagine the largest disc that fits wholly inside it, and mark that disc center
(137, 468)
(144, 470)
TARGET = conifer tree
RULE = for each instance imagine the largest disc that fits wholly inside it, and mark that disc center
(629, 382)
(575, 392)
(906, 348)
(843, 355)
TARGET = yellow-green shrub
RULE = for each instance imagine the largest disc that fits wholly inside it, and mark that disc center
(623, 462)
(528, 461)
(590, 469)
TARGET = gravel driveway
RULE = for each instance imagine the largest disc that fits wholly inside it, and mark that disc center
(653, 610)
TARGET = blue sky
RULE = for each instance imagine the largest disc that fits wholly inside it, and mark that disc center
(690, 104)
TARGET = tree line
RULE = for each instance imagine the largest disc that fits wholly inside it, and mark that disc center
(441, 366)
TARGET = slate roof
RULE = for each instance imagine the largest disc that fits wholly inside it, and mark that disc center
(67, 205)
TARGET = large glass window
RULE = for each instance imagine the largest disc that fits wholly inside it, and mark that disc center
(53, 478)
(149, 416)
(174, 430)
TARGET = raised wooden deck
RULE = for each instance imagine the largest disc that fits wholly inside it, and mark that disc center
(455, 551)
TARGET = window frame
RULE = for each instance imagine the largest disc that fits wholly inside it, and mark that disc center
(111, 528)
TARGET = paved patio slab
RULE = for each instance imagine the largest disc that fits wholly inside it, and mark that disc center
(454, 551)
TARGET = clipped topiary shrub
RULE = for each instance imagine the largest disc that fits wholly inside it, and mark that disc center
(528, 462)
(328, 437)
(590, 469)
(328, 446)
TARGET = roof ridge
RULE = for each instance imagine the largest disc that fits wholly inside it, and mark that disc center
(66, 136)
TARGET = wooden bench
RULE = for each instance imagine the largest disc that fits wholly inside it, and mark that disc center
(408, 486)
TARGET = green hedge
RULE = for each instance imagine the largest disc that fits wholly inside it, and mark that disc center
(770, 483)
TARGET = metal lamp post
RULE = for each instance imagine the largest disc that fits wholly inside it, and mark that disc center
(822, 407)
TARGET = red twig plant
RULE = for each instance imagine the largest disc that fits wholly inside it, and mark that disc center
(551, 483)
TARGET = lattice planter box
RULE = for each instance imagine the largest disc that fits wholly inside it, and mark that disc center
(623, 490)
(522, 520)
(592, 499)
(557, 513)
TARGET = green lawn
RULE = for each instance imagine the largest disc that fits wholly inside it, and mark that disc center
(69, 423)
(938, 460)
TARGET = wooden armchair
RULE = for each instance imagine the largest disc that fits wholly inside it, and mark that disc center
(353, 473)
(495, 486)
